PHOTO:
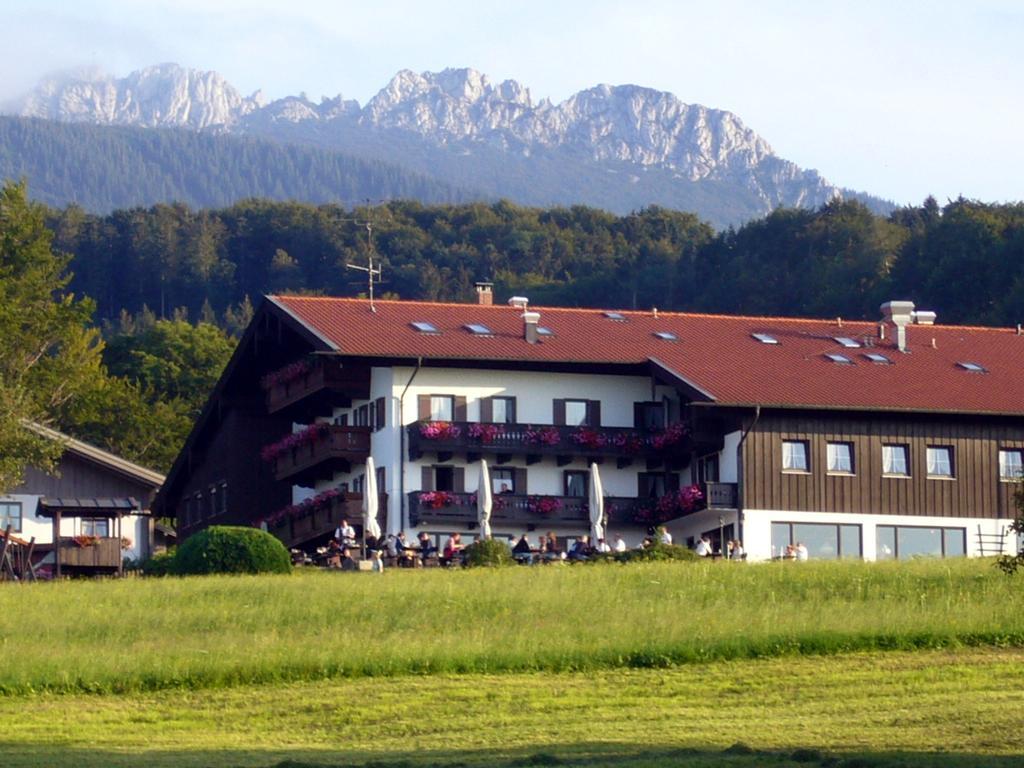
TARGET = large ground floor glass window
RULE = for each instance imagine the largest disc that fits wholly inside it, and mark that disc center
(823, 541)
(905, 541)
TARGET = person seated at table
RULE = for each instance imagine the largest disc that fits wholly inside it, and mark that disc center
(553, 550)
(427, 547)
(602, 546)
(391, 546)
(521, 552)
(620, 543)
(580, 549)
(664, 537)
(333, 555)
(505, 488)
(406, 551)
(738, 553)
(348, 563)
(373, 544)
(703, 548)
(345, 534)
(800, 551)
(452, 549)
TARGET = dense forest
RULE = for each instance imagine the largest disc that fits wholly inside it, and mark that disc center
(102, 168)
(963, 260)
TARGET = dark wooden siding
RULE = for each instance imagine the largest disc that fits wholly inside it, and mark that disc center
(232, 456)
(976, 490)
(81, 478)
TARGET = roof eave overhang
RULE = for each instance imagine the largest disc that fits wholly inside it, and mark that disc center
(863, 409)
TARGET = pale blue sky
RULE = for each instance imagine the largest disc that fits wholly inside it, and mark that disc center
(901, 99)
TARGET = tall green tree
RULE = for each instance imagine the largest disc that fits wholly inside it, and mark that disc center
(48, 354)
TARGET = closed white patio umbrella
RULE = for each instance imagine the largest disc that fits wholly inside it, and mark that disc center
(596, 504)
(370, 503)
(484, 500)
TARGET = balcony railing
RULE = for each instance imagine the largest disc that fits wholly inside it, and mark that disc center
(719, 495)
(103, 553)
(534, 441)
(443, 507)
(304, 384)
(316, 522)
(336, 450)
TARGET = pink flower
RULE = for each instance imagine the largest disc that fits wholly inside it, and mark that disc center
(439, 430)
(486, 433)
(542, 436)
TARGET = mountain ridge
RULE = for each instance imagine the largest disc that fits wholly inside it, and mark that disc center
(441, 118)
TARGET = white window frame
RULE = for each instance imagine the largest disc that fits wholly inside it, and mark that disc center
(834, 463)
(788, 456)
(933, 466)
(1011, 472)
(895, 449)
(17, 522)
(573, 404)
(437, 404)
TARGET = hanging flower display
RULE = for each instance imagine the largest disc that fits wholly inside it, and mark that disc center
(288, 373)
(543, 505)
(439, 430)
(486, 433)
(304, 507)
(588, 437)
(542, 436)
(86, 540)
(672, 435)
(437, 499)
(311, 434)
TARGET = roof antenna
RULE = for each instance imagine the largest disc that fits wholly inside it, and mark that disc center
(372, 275)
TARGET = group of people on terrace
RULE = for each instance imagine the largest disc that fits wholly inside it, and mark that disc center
(423, 551)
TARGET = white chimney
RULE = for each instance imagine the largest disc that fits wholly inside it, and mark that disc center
(900, 314)
(518, 302)
(530, 323)
(924, 318)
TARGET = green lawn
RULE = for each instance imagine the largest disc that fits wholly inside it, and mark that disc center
(195, 633)
(926, 708)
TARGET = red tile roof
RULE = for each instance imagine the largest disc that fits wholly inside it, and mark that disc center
(714, 352)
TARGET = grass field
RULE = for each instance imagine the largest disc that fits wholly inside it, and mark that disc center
(830, 664)
(140, 635)
(927, 708)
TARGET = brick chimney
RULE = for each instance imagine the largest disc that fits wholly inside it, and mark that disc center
(485, 294)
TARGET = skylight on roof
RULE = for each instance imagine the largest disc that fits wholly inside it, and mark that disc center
(478, 330)
(973, 367)
(846, 341)
(544, 331)
(874, 357)
(840, 359)
(424, 327)
(666, 335)
(765, 338)
(617, 316)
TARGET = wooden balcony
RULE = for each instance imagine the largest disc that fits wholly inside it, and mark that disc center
(320, 522)
(459, 509)
(336, 451)
(104, 555)
(324, 384)
(533, 442)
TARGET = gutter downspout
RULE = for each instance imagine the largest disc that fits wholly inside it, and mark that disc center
(401, 447)
(739, 474)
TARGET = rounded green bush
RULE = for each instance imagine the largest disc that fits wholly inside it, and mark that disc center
(490, 552)
(160, 564)
(231, 549)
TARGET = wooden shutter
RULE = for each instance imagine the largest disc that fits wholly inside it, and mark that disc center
(519, 481)
(459, 479)
(423, 405)
(638, 415)
(510, 410)
(460, 409)
(594, 413)
(371, 417)
(381, 481)
(486, 409)
(381, 412)
(559, 411)
(427, 479)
